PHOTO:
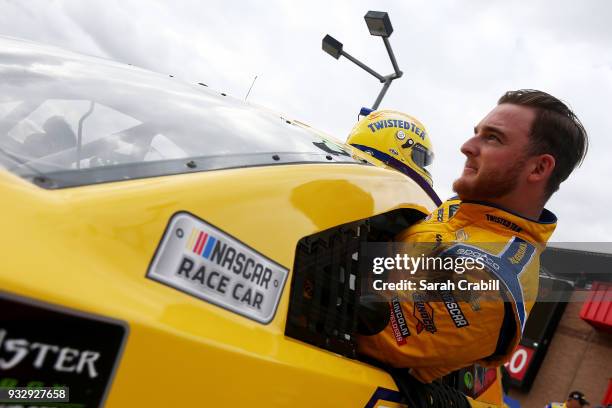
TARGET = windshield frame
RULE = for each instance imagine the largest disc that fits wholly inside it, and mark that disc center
(142, 170)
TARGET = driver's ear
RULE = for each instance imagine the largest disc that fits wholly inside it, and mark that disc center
(541, 168)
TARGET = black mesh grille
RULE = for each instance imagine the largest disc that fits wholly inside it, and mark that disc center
(325, 288)
(325, 285)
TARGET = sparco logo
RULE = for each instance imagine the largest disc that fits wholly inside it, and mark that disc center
(479, 255)
(504, 222)
(398, 322)
(424, 314)
(454, 310)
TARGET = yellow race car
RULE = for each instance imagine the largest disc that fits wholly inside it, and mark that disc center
(164, 245)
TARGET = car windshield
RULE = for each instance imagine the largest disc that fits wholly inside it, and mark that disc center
(71, 120)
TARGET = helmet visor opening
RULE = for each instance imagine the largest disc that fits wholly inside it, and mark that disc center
(421, 156)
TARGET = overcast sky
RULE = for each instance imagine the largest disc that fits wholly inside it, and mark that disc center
(458, 57)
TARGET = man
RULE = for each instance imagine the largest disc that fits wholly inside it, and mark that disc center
(574, 400)
(516, 159)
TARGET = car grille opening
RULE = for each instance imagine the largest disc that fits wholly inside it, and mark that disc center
(325, 286)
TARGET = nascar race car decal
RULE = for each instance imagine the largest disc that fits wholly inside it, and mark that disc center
(203, 261)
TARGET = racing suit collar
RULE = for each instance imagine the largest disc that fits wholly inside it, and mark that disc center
(494, 218)
(546, 217)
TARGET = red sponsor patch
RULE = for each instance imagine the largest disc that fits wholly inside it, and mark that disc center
(398, 322)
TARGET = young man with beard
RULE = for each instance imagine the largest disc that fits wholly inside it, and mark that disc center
(519, 154)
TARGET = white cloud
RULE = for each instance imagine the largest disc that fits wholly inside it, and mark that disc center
(457, 58)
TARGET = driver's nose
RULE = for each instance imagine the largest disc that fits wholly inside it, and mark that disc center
(470, 147)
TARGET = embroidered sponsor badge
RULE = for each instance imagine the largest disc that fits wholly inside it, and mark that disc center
(454, 310)
(424, 314)
(398, 322)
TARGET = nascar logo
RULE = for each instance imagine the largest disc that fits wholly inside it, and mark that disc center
(203, 244)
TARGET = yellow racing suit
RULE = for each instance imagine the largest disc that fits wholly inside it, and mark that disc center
(434, 338)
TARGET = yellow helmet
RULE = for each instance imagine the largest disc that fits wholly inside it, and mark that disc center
(396, 139)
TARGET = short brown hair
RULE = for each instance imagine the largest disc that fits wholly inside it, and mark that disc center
(555, 130)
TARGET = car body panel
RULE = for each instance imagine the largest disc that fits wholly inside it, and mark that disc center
(88, 249)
